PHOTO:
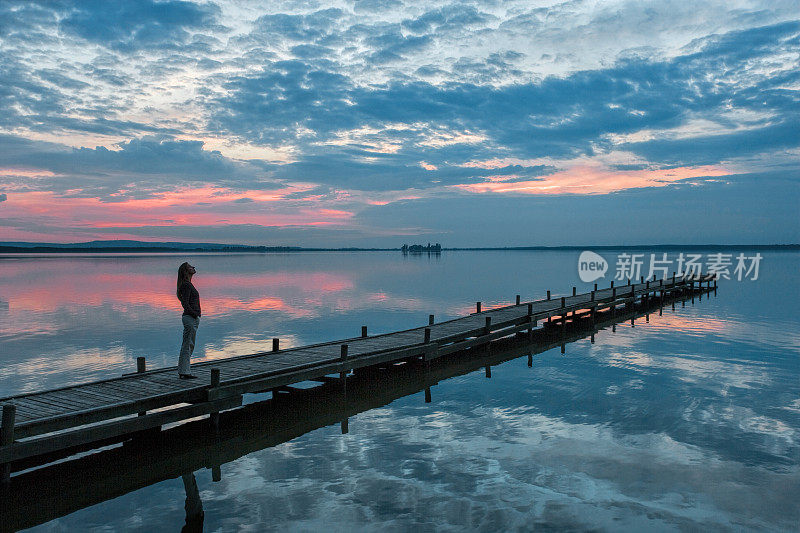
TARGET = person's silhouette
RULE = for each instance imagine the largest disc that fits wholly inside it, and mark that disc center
(193, 505)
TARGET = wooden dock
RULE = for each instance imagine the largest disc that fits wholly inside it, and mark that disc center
(62, 420)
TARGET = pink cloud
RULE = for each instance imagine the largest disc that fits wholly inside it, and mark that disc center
(592, 179)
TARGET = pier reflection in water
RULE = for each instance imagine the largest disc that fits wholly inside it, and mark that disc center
(156, 456)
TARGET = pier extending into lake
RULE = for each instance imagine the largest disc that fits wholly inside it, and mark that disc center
(64, 420)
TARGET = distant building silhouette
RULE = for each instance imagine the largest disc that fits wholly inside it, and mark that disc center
(420, 249)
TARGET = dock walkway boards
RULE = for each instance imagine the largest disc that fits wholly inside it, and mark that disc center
(45, 421)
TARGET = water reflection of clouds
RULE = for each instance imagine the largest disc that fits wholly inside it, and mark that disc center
(35, 373)
(243, 345)
(499, 468)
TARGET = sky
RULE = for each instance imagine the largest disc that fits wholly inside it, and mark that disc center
(383, 122)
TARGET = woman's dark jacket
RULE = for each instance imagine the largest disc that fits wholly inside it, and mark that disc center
(190, 299)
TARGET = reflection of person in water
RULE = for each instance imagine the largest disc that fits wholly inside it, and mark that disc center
(193, 505)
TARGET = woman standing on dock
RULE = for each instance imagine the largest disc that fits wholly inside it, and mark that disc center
(190, 299)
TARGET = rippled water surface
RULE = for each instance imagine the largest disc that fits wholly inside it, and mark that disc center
(690, 421)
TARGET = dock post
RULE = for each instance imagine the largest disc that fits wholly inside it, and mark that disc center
(343, 373)
(642, 279)
(530, 360)
(563, 301)
(593, 292)
(612, 284)
(7, 438)
(430, 320)
(518, 299)
(363, 331)
(141, 368)
(548, 295)
(216, 473)
(488, 327)
(488, 371)
(477, 307)
(530, 309)
(275, 344)
(574, 291)
(345, 426)
(629, 281)
(214, 384)
(427, 395)
(428, 334)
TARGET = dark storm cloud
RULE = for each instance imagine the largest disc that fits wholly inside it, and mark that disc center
(710, 149)
(392, 172)
(143, 24)
(140, 167)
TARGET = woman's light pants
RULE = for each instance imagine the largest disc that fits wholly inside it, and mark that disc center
(190, 324)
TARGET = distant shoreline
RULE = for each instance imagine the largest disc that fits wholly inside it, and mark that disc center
(30, 248)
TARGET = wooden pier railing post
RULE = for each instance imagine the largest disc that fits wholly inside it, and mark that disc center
(276, 344)
(612, 284)
(427, 395)
(7, 437)
(430, 320)
(477, 307)
(530, 309)
(363, 331)
(488, 326)
(141, 368)
(574, 291)
(518, 299)
(214, 416)
(530, 360)
(548, 295)
(428, 335)
(345, 426)
(595, 286)
(343, 373)
(488, 371)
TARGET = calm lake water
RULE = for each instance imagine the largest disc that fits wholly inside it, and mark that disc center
(688, 422)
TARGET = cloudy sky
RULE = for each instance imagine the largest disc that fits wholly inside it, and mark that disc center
(378, 122)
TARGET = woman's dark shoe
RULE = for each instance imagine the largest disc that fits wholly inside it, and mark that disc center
(187, 376)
